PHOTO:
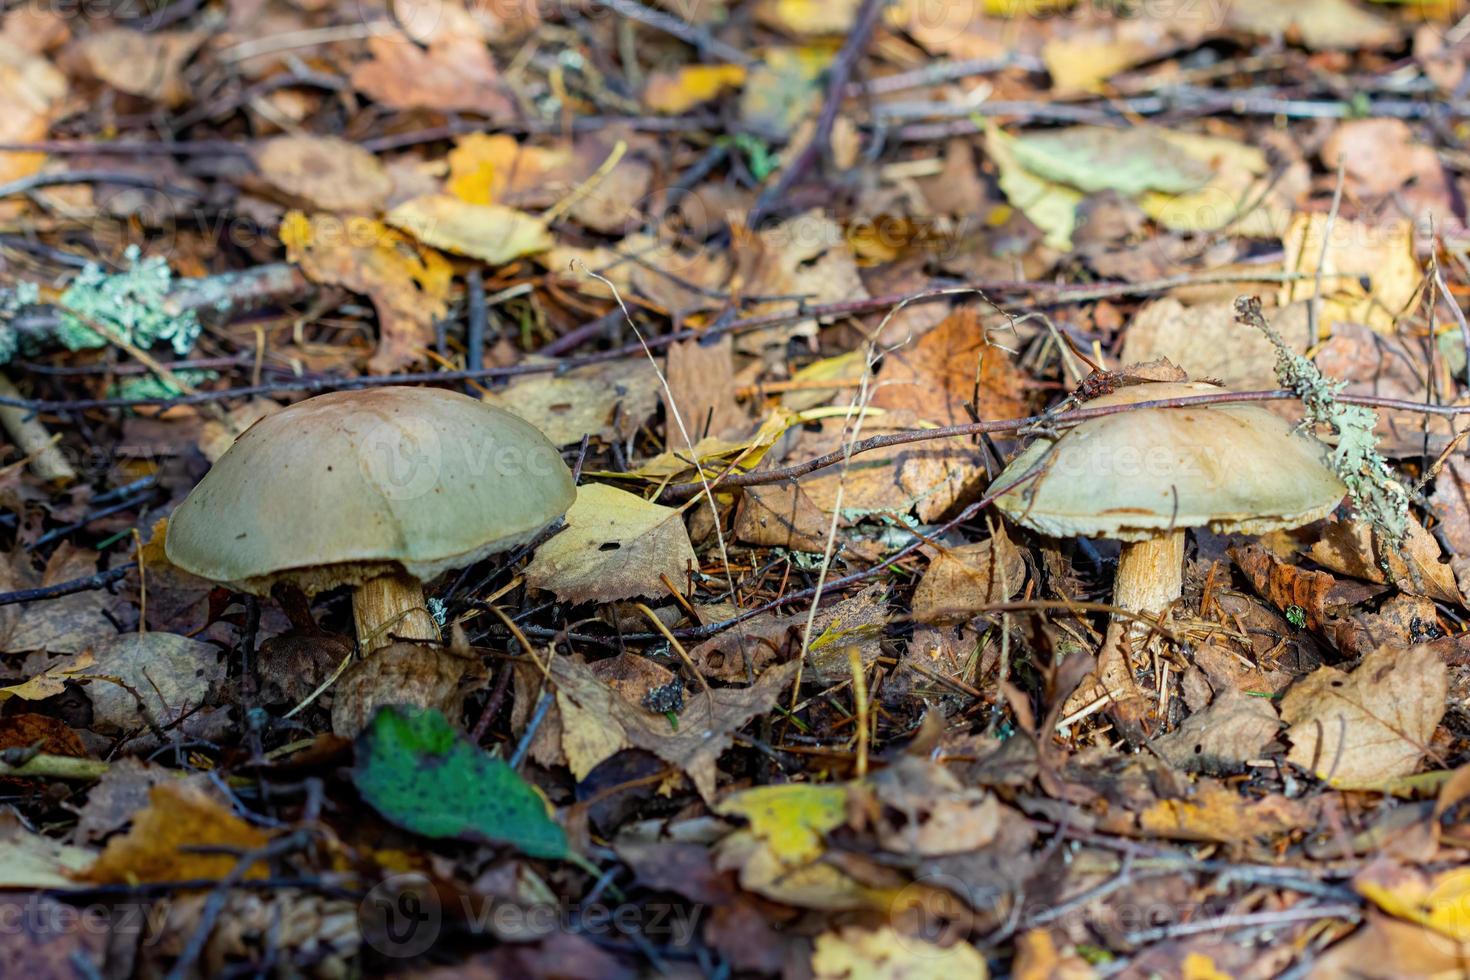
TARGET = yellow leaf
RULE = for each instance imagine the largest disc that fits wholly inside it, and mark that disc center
(1369, 274)
(1440, 902)
(1052, 207)
(818, 885)
(484, 167)
(883, 954)
(489, 232)
(1238, 196)
(679, 91)
(168, 840)
(809, 17)
(790, 819)
(408, 286)
(1198, 966)
(52, 681)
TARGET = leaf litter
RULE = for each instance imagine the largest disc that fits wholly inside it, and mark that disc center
(700, 249)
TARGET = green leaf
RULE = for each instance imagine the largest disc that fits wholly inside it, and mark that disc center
(425, 777)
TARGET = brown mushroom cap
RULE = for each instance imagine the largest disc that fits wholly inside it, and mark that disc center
(340, 488)
(1134, 475)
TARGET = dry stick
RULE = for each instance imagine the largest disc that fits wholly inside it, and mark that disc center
(31, 438)
(842, 67)
(698, 38)
(84, 584)
(679, 491)
(1050, 293)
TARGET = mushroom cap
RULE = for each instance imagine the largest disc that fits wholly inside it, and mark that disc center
(340, 488)
(1232, 467)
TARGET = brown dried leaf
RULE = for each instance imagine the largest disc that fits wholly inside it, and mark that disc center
(1347, 547)
(701, 386)
(453, 73)
(705, 729)
(960, 581)
(1286, 585)
(146, 65)
(324, 173)
(917, 807)
(1365, 728)
(409, 287)
(120, 793)
(608, 401)
(807, 256)
(616, 545)
(1386, 948)
(403, 673)
(1206, 341)
(1215, 812)
(33, 93)
(1223, 737)
(178, 817)
(172, 675)
(1378, 156)
(29, 860)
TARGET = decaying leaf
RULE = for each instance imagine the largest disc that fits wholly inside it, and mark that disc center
(409, 674)
(409, 287)
(1222, 738)
(616, 545)
(608, 401)
(172, 676)
(673, 92)
(1218, 813)
(1440, 901)
(34, 92)
(960, 581)
(146, 65)
(1348, 547)
(492, 233)
(1369, 274)
(31, 860)
(918, 807)
(791, 820)
(446, 68)
(324, 173)
(1368, 727)
(171, 837)
(886, 955)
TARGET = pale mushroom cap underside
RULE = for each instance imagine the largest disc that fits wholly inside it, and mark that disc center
(1134, 475)
(339, 488)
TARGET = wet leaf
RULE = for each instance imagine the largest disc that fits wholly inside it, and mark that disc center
(170, 837)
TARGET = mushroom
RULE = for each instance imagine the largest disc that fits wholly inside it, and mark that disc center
(380, 489)
(1143, 477)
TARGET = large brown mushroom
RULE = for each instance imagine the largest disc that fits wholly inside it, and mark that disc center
(1143, 477)
(381, 489)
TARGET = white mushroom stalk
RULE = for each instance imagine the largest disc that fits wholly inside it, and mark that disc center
(381, 490)
(1144, 478)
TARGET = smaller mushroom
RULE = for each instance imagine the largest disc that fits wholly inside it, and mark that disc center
(1143, 477)
(381, 489)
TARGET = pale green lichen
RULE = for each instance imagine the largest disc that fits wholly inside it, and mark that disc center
(129, 305)
(11, 303)
(138, 389)
(1378, 496)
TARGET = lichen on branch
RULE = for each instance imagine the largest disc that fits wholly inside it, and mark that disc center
(1377, 494)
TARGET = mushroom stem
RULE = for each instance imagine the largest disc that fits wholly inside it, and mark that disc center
(391, 607)
(1149, 579)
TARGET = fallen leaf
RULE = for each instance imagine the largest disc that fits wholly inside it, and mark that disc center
(120, 793)
(612, 202)
(34, 93)
(678, 91)
(324, 173)
(406, 674)
(46, 939)
(422, 775)
(409, 288)
(1218, 813)
(1384, 948)
(492, 233)
(1082, 59)
(492, 168)
(1373, 725)
(807, 256)
(167, 838)
(701, 388)
(1050, 205)
(1369, 273)
(65, 624)
(791, 820)
(1347, 547)
(1095, 158)
(781, 87)
(146, 65)
(1207, 342)
(29, 860)
(961, 581)
(883, 954)
(1286, 585)
(1439, 901)
(707, 723)
(172, 675)
(608, 401)
(616, 545)
(1320, 24)
(1222, 738)
(449, 70)
(52, 681)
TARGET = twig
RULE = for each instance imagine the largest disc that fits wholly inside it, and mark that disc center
(30, 436)
(843, 64)
(696, 36)
(45, 765)
(86, 584)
